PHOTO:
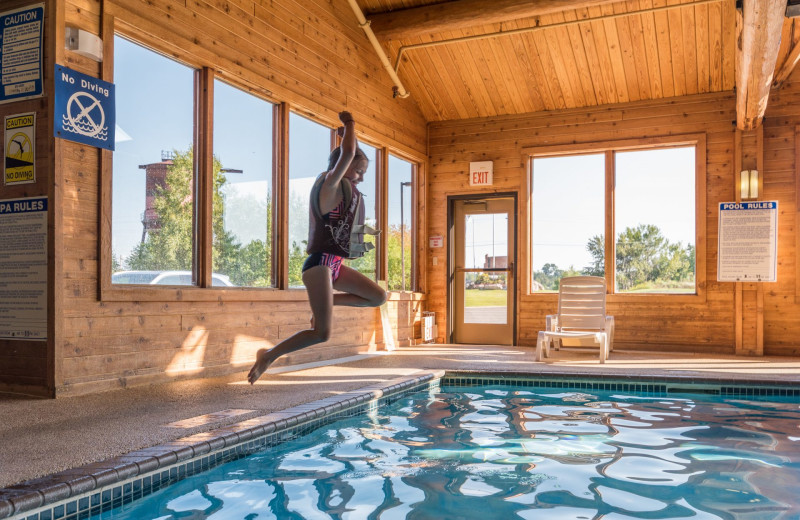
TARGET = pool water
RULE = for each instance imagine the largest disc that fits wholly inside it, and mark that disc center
(499, 452)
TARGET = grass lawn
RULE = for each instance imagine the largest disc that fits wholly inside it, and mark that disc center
(485, 298)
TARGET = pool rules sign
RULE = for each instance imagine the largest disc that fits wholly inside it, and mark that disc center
(748, 242)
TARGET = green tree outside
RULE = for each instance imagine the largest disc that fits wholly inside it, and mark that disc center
(170, 246)
(645, 261)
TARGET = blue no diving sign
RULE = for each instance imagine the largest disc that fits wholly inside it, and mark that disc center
(84, 109)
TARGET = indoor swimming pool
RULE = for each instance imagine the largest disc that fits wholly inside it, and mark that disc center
(485, 451)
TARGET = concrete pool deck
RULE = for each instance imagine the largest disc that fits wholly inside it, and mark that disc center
(40, 437)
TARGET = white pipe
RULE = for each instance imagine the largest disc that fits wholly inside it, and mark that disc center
(399, 89)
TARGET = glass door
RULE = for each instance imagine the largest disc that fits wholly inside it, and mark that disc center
(483, 271)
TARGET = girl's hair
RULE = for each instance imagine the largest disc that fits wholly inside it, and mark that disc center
(336, 152)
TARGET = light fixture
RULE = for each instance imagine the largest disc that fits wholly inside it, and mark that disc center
(83, 43)
(748, 184)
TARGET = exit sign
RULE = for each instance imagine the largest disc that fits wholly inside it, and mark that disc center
(480, 173)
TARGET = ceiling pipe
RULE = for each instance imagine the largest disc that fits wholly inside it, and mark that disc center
(398, 90)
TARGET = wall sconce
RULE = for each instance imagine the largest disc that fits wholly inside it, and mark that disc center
(748, 184)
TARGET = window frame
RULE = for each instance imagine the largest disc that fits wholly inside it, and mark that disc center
(609, 148)
(415, 218)
(203, 288)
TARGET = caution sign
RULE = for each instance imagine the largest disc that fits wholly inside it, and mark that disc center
(19, 164)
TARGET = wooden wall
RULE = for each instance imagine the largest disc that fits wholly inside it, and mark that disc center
(28, 366)
(310, 54)
(671, 323)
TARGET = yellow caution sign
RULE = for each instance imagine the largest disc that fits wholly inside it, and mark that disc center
(20, 150)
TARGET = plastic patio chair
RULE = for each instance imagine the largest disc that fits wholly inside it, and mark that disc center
(581, 314)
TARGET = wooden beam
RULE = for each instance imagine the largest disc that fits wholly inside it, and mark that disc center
(758, 25)
(462, 14)
(790, 61)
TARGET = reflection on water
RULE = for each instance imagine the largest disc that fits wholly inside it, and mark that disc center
(501, 453)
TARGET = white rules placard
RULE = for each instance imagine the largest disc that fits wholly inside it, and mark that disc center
(748, 242)
(23, 268)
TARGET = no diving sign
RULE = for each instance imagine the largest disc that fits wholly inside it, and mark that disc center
(84, 108)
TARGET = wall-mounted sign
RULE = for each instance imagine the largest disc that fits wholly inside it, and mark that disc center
(21, 33)
(436, 241)
(480, 173)
(19, 139)
(84, 108)
(23, 268)
(748, 242)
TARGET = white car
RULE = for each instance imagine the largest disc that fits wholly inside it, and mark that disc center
(166, 278)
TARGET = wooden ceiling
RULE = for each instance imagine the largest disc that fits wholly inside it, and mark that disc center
(568, 54)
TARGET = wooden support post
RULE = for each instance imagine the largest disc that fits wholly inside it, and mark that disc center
(748, 297)
(280, 220)
(610, 241)
(204, 176)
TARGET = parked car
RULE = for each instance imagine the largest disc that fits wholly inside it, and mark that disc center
(166, 278)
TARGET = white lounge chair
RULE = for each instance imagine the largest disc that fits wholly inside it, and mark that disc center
(581, 315)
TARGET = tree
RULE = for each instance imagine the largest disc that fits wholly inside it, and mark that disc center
(395, 258)
(596, 247)
(548, 276)
(170, 244)
(643, 257)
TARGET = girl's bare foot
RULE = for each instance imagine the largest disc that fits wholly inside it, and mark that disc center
(263, 361)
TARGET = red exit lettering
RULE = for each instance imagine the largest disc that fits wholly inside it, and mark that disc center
(480, 177)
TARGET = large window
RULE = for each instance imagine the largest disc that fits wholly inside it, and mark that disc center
(199, 178)
(652, 222)
(309, 148)
(152, 219)
(400, 229)
(242, 189)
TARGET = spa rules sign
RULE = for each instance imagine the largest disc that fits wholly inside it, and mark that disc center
(748, 241)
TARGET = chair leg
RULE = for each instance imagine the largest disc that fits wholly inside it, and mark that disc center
(603, 347)
(541, 347)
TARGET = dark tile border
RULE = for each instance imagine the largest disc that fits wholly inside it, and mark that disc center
(94, 488)
(666, 384)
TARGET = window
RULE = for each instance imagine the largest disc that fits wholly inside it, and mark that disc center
(655, 248)
(242, 189)
(167, 167)
(309, 148)
(568, 215)
(152, 219)
(400, 230)
(654, 234)
(367, 264)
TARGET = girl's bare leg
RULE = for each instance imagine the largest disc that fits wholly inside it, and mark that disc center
(320, 296)
(360, 290)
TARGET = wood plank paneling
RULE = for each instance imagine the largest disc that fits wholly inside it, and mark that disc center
(653, 322)
(609, 53)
